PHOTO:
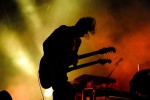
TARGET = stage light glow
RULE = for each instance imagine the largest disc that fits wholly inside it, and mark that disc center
(24, 63)
(13, 48)
(29, 11)
(48, 92)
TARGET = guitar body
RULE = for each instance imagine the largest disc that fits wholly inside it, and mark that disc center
(45, 74)
(51, 70)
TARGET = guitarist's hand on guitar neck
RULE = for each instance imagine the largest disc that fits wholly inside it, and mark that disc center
(69, 60)
(75, 63)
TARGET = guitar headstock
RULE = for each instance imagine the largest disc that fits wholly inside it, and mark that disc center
(104, 61)
(106, 50)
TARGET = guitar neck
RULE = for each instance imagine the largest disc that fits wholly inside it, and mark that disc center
(101, 51)
(82, 65)
(88, 54)
(101, 61)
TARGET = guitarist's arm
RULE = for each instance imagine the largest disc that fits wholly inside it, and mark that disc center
(77, 43)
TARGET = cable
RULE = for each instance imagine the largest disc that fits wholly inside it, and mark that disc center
(40, 86)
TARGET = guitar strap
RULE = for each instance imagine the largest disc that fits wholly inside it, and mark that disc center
(77, 43)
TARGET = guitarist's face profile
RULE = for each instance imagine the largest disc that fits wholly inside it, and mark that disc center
(83, 33)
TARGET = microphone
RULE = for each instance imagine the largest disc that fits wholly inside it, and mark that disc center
(117, 63)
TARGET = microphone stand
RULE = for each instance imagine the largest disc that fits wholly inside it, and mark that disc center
(109, 76)
(115, 66)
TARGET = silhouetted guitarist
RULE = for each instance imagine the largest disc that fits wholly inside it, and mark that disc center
(60, 51)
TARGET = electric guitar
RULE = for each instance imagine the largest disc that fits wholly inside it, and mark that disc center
(45, 81)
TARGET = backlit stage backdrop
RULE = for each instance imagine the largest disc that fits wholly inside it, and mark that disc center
(25, 24)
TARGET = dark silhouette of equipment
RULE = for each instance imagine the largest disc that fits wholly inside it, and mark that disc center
(140, 85)
(4, 95)
(91, 81)
(92, 86)
(96, 86)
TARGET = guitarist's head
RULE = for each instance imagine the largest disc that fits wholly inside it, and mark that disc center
(85, 25)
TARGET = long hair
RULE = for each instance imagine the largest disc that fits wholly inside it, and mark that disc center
(87, 23)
